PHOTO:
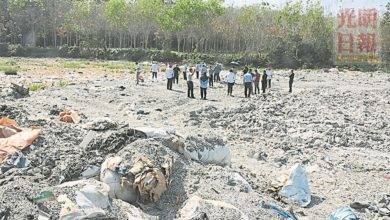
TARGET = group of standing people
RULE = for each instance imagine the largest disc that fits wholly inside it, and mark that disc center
(207, 77)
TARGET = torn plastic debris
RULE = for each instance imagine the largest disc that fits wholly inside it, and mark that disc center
(157, 132)
(91, 200)
(279, 211)
(69, 116)
(13, 138)
(296, 188)
(343, 213)
(198, 208)
(91, 171)
(207, 150)
(140, 181)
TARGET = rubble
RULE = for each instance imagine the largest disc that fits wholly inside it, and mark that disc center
(15, 91)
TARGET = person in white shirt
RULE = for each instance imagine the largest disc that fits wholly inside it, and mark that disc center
(190, 84)
(230, 79)
(269, 77)
(155, 67)
(248, 78)
(169, 75)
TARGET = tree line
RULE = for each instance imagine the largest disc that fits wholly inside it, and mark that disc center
(299, 34)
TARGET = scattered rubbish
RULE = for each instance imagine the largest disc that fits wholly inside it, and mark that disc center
(237, 179)
(91, 171)
(43, 196)
(140, 181)
(69, 116)
(14, 139)
(101, 124)
(198, 208)
(287, 215)
(296, 187)
(343, 213)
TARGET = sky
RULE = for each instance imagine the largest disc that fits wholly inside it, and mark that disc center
(330, 6)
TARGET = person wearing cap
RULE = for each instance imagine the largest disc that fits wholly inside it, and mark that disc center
(291, 80)
(190, 84)
(169, 75)
(230, 79)
(203, 84)
(248, 83)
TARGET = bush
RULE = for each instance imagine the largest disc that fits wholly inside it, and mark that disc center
(36, 86)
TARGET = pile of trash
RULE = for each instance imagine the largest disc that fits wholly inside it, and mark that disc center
(14, 138)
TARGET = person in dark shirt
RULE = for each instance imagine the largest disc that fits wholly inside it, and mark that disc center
(256, 81)
(290, 82)
(264, 81)
(176, 72)
(211, 76)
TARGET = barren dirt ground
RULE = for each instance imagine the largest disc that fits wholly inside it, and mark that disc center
(336, 124)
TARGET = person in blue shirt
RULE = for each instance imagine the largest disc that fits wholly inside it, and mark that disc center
(248, 78)
(204, 83)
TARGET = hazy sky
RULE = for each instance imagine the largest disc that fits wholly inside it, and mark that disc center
(330, 6)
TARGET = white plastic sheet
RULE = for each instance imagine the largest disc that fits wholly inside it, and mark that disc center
(297, 189)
